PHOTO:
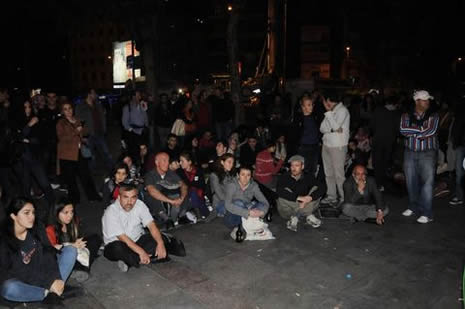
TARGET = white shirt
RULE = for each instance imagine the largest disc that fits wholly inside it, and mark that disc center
(116, 221)
(335, 119)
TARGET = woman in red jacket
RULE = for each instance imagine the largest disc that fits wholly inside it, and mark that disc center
(63, 231)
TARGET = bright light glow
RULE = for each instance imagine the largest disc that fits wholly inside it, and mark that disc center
(229, 7)
(109, 57)
(256, 91)
(459, 58)
(348, 48)
(118, 86)
(180, 90)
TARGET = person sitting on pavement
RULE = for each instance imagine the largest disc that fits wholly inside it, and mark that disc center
(164, 186)
(124, 236)
(110, 190)
(64, 230)
(362, 199)
(221, 175)
(239, 200)
(299, 195)
(265, 167)
(172, 147)
(194, 178)
(30, 268)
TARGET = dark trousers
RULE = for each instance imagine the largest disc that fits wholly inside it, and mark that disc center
(93, 244)
(27, 170)
(73, 169)
(133, 141)
(118, 250)
(311, 154)
(381, 157)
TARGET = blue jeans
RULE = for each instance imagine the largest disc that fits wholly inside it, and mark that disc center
(98, 144)
(18, 291)
(221, 208)
(420, 169)
(232, 220)
(459, 172)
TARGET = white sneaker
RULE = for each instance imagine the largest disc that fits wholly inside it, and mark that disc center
(55, 186)
(381, 189)
(328, 200)
(123, 266)
(407, 213)
(191, 217)
(313, 221)
(292, 223)
(424, 219)
(233, 233)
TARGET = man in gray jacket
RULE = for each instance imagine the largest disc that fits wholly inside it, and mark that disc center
(362, 199)
(239, 195)
(92, 116)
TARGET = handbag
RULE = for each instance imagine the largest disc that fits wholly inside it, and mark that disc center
(179, 128)
(173, 245)
(86, 153)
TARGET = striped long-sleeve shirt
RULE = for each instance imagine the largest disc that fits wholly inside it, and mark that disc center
(420, 137)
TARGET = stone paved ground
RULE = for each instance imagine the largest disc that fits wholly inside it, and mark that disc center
(341, 265)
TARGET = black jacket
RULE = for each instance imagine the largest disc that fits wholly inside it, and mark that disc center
(39, 267)
(290, 188)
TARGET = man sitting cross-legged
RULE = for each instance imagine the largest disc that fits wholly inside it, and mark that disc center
(362, 199)
(165, 187)
(299, 195)
(123, 232)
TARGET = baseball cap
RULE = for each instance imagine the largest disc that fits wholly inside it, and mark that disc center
(422, 95)
(296, 158)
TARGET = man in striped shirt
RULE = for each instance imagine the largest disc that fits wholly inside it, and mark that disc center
(419, 127)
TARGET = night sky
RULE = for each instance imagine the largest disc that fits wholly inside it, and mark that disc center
(431, 35)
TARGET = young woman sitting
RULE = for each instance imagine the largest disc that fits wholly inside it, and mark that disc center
(110, 190)
(31, 270)
(222, 174)
(194, 178)
(63, 231)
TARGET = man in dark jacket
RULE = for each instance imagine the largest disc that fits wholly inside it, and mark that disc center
(385, 128)
(362, 199)
(299, 195)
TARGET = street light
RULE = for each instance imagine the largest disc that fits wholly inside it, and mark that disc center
(348, 51)
(230, 7)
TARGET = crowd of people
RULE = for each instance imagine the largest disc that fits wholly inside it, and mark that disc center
(182, 161)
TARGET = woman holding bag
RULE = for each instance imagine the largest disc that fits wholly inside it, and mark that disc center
(70, 153)
(63, 230)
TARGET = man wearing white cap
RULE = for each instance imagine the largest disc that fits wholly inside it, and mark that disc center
(419, 127)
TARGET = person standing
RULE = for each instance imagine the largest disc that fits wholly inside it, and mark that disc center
(385, 128)
(335, 129)
(92, 116)
(419, 127)
(134, 121)
(309, 135)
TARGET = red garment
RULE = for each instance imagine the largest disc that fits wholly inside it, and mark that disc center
(191, 176)
(206, 143)
(115, 193)
(52, 236)
(265, 167)
(203, 116)
(149, 163)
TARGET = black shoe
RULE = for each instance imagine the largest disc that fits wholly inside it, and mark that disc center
(155, 260)
(183, 220)
(72, 291)
(53, 300)
(169, 224)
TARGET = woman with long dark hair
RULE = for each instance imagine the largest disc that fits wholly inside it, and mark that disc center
(119, 176)
(72, 163)
(223, 172)
(30, 269)
(64, 230)
(194, 178)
